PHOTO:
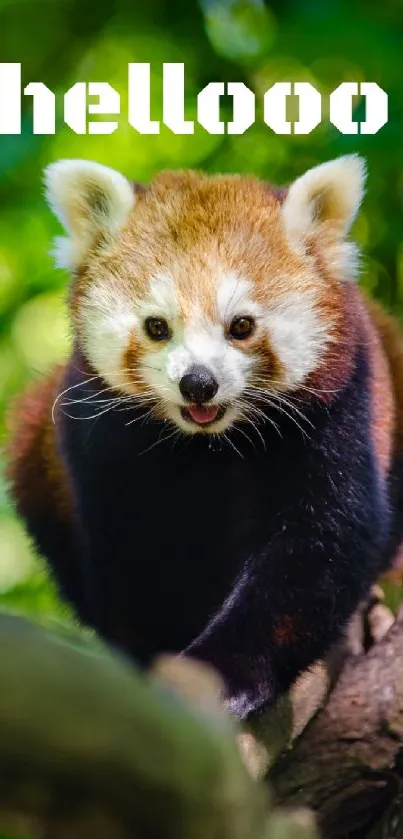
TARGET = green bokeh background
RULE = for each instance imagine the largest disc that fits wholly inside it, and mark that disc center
(60, 42)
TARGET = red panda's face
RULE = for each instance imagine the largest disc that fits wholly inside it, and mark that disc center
(212, 297)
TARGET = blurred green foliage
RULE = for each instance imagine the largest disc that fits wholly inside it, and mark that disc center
(60, 42)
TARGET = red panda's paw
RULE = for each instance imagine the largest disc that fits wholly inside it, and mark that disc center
(249, 685)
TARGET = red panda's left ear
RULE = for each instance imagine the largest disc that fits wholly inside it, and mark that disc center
(324, 201)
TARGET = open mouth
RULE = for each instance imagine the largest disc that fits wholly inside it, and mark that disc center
(202, 414)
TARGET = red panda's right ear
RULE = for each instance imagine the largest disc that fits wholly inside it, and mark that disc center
(91, 201)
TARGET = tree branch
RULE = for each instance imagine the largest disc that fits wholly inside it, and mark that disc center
(348, 762)
(91, 748)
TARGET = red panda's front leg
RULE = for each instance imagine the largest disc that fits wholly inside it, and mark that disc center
(293, 601)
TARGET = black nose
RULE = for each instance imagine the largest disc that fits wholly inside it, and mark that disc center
(198, 385)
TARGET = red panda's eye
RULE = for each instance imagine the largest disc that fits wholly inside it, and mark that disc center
(241, 328)
(157, 329)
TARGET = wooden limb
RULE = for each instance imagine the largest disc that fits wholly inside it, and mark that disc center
(91, 748)
(335, 743)
(348, 763)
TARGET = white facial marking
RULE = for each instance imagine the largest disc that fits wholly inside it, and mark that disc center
(199, 341)
(235, 298)
(161, 300)
(107, 323)
(297, 334)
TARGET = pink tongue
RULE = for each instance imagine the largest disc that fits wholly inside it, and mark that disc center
(201, 415)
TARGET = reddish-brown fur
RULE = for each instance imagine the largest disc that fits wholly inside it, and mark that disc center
(39, 479)
(186, 229)
(38, 476)
(183, 221)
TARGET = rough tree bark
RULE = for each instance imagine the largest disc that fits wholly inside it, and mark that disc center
(347, 764)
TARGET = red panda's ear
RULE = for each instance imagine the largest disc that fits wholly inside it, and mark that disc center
(324, 201)
(91, 201)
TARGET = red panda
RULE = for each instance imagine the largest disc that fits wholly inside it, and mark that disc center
(217, 469)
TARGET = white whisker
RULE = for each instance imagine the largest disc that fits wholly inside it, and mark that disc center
(66, 390)
(241, 431)
(157, 442)
(233, 446)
